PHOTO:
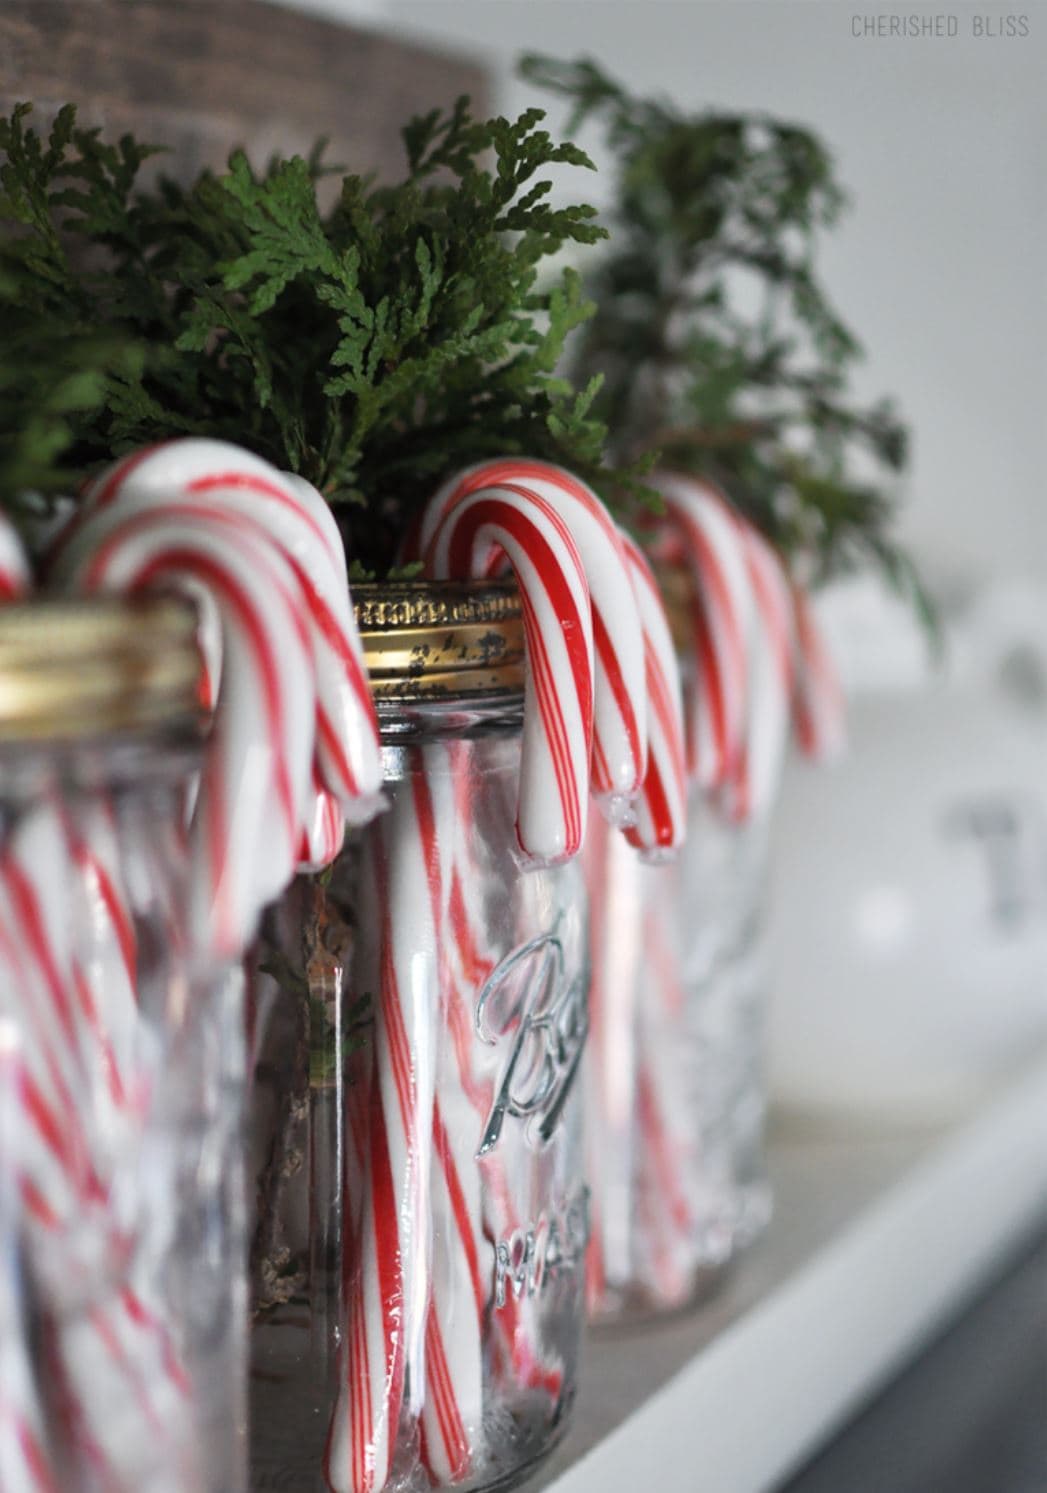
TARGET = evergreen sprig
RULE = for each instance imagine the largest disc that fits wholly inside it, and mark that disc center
(715, 340)
(61, 362)
(373, 347)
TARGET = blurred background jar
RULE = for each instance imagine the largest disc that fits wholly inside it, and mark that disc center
(675, 1076)
(421, 1218)
(121, 1059)
(676, 1091)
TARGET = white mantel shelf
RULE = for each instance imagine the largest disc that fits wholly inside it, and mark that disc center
(875, 1244)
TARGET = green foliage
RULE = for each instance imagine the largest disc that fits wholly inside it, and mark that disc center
(61, 364)
(715, 341)
(372, 348)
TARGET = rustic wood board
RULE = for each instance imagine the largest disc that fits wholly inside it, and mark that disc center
(203, 76)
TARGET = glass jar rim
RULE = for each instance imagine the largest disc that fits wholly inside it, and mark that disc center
(441, 640)
(76, 667)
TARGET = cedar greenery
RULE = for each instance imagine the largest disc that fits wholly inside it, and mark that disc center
(715, 341)
(373, 348)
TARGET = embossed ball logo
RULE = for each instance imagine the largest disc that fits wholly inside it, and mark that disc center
(529, 1001)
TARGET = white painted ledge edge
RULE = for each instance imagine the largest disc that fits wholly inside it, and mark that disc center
(775, 1383)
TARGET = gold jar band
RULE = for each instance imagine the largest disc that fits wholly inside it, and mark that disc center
(70, 669)
(441, 639)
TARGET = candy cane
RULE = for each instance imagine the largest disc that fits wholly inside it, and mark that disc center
(257, 772)
(116, 1051)
(298, 522)
(119, 1061)
(119, 1396)
(123, 1400)
(558, 696)
(517, 1357)
(25, 1460)
(418, 842)
(722, 605)
(753, 790)
(472, 951)
(819, 706)
(388, 1290)
(639, 1106)
(113, 1352)
(667, 1147)
(662, 808)
(452, 1415)
(619, 749)
(14, 567)
(25, 1464)
(613, 880)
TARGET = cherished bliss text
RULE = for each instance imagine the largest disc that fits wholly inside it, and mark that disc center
(1001, 25)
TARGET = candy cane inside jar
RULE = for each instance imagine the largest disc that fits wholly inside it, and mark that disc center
(124, 1079)
(418, 1291)
(680, 982)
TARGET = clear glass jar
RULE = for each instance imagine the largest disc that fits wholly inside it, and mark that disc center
(675, 1089)
(122, 1068)
(421, 1219)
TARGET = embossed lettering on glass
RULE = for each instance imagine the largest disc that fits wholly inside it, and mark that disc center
(529, 992)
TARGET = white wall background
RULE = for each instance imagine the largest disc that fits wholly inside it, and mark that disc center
(940, 266)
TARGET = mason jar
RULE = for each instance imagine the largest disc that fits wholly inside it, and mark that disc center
(417, 1261)
(121, 1069)
(676, 1096)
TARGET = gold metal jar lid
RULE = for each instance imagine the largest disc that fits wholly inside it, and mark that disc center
(449, 640)
(74, 668)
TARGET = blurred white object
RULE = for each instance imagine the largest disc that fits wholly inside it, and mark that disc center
(878, 644)
(908, 912)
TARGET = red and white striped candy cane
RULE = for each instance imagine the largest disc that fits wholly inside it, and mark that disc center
(122, 1400)
(661, 820)
(619, 754)
(516, 1356)
(473, 955)
(666, 1143)
(257, 775)
(753, 790)
(613, 877)
(26, 1464)
(640, 1110)
(462, 1259)
(722, 603)
(126, 1328)
(387, 1294)
(14, 567)
(558, 698)
(461, 1269)
(452, 1413)
(118, 1051)
(819, 707)
(25, 1460)
(297, 520)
